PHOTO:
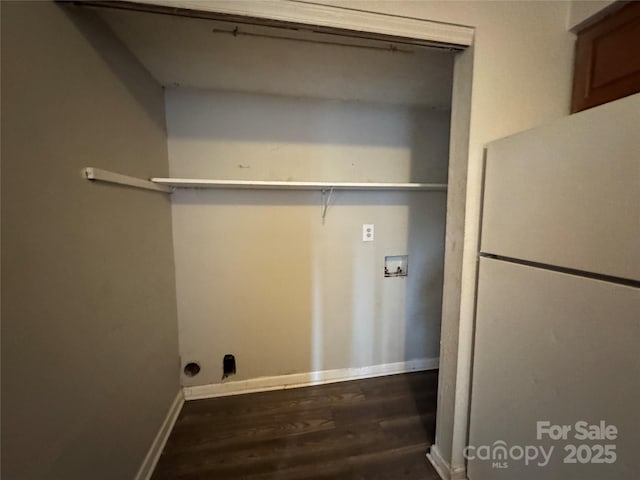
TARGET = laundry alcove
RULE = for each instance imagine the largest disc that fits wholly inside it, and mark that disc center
(350, 131)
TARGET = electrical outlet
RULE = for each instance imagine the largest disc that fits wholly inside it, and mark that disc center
(367, 232)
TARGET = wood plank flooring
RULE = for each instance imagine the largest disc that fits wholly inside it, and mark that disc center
(379, 428)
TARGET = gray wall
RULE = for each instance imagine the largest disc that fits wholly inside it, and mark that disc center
(258, 272)
(89, 336)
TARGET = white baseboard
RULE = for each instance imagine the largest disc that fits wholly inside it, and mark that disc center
(280, 382)
(442, 466)
(439, 464)
(153, 455)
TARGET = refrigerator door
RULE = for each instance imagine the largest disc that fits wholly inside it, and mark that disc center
(568, 193)
(560, 348)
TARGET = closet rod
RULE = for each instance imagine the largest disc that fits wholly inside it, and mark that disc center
(390, 47)
(97, 174)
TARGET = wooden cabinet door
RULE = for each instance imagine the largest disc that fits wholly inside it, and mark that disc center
(607, 64)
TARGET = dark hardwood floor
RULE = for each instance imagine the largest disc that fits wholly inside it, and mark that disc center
(377, 428)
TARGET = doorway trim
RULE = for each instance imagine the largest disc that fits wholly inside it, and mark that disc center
(301, 12)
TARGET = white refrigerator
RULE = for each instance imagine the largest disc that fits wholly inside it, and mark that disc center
(556, 359)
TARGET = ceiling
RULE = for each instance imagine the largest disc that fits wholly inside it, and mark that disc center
(231, 56)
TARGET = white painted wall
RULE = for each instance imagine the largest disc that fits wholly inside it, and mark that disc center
(258, 273)
(263, 137)
(89, 334)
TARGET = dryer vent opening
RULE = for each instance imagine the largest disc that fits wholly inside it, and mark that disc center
(191, 369)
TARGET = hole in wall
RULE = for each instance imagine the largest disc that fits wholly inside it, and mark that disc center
(228, 365)
(191, 369)
(396, 266)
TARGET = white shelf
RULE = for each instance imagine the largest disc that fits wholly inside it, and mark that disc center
(168, 185)
(261, 184)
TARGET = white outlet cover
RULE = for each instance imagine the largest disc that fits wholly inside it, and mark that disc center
(367, 232)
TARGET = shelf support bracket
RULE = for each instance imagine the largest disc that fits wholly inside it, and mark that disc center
(326, 200)
(96, 174)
